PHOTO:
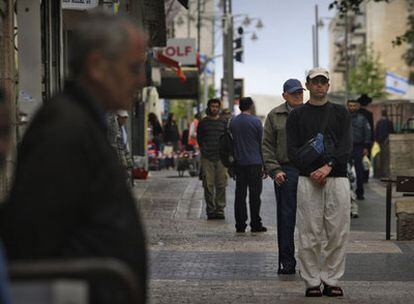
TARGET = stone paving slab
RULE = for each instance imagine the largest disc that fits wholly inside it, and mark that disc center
(193, 260)
(203, 235)
(179, 265)
(266, 292)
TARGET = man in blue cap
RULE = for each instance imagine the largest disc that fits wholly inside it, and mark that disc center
(284, 174)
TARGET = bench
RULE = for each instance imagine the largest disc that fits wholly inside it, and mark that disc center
(404, 208)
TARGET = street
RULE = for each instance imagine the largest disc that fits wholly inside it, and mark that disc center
(193, 260)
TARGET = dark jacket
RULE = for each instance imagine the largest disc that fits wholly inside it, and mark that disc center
(70, 198)
(171, 133)
(305, 121)
(208, 136)
(383, 128)
(370, 118)
(361, 130)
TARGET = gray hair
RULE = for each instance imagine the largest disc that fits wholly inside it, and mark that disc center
(98, 31)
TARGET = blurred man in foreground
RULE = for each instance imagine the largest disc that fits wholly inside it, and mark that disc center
(69, 198)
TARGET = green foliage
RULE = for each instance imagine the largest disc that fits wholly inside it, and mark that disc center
(211, 92)
(368, 76)
(181, 108)
(344, 6)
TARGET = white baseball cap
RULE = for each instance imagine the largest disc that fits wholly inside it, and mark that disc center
(318, 72)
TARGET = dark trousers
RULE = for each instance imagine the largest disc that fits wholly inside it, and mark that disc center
(357, 155)
(286, 217)
(248, 177)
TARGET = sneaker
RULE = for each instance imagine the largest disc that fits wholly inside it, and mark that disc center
(220, 216)
(354, 215)
(360, 198)
(260, 229)
(240, 230)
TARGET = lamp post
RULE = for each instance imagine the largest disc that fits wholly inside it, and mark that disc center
(316, 63)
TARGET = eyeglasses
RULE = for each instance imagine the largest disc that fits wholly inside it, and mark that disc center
(319, 80)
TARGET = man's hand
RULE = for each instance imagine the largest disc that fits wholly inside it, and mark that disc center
(264, 174)
(365, 152)
(280, 178)
(319, 175)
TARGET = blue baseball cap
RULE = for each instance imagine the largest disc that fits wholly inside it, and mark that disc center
(292, 85)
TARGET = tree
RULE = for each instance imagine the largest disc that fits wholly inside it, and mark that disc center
(344, 6)
(368, 75)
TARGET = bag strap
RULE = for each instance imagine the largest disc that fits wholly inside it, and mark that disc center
(228, 128)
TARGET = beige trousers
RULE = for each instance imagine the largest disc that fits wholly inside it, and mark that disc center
(323, 212)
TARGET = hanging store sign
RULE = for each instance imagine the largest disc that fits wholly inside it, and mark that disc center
(79, 4)
(181, 50)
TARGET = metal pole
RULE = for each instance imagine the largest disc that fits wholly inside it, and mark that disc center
(198, 48)
(230, 71)
(205, 90)
(316, 36)
(313, 46)
(188, 20)
(224, 88)
(346, 59)
(388, 210)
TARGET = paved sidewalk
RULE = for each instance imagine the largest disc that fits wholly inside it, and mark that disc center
(193, 260)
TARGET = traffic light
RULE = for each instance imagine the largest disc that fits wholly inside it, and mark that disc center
(238, 49)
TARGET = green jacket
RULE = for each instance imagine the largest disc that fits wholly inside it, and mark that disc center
(274, 147)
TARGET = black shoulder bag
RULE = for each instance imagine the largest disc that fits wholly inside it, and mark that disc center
(314, 148)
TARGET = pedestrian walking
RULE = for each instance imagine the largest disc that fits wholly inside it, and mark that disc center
(157, 131)
(69, 198)
(192, 131)
(171, 133)
(361, 139)
(213, 173)
(364, 100)
(247, 131)
(383, 129)
(284, 174)
(118, 139)
(319, 144)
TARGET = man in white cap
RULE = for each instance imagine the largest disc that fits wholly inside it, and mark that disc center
(319, 144)
(118, 139)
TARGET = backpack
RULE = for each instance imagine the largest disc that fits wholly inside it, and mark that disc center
(226, 147)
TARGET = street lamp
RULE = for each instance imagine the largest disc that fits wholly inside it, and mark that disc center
(248, 20)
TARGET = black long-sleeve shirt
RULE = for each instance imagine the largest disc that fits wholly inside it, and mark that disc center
(306, 121)
(208, 136)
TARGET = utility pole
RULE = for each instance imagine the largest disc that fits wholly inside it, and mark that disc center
(228, 72)
(198, 50)
(346, 75)
(188, 20)
(313, 46)
(7, 82)
(316, 36)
